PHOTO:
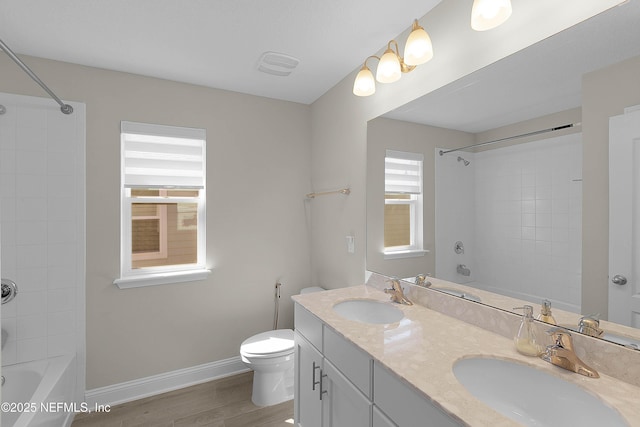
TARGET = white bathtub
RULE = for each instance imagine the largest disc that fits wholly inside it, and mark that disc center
(39, 393)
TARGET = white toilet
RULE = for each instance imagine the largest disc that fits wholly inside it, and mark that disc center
(270, 355)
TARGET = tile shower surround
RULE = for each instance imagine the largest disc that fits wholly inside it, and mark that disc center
(525, 202)
(40, 230)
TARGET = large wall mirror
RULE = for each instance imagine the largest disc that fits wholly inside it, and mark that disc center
(505, 218)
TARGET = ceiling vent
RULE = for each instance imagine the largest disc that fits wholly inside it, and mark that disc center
(277, 64)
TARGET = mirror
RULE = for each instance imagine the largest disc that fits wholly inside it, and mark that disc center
(469, 195)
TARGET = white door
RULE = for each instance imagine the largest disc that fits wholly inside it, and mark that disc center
(624, 218)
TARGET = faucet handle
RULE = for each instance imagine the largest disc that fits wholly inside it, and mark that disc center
(561, 337)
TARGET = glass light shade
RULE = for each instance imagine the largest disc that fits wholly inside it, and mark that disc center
(388, 68)
(418, 48)
(364, 85)
(488, 14)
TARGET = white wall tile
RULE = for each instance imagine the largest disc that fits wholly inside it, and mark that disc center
(10, 353)
(61, 300)
(29, 327)
(60, 323)
(31, 256)
(31, 163)
(31, 349)
(62, 231)
(31, 232)
(38, 165)
(31, 303)
(31, 279)
(31, 185)
(58, 345)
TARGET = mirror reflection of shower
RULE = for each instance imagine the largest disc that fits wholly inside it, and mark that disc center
(518, 210)
(466, 162)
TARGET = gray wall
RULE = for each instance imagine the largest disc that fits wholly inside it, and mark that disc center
(256, 224)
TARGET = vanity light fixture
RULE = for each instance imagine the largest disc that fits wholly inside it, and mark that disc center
(365, 84)
(488, 14)
(418, 50)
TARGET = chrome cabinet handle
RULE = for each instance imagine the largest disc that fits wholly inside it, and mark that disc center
(320, 389)
(313, 377)
(619, 280)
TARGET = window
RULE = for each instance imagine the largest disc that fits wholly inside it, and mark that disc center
(163, 204)
(403, 203)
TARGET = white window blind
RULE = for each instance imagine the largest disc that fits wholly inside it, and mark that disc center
(157, 156)
(403, 172)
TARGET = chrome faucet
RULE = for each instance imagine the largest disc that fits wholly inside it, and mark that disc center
(561, 354)
(421, 280)
(590, 325)
(397, 295)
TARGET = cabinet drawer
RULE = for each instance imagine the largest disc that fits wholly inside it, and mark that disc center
(354, 363)
(308, 325)
(404, 405)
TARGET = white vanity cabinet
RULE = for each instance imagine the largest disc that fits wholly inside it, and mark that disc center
(326, 394)
(339, 385)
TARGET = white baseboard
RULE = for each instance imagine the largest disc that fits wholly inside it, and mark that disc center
(157, 384)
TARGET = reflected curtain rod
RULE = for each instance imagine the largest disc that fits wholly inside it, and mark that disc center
(65, 108)
(537, 132)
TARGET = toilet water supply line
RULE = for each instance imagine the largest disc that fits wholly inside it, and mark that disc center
(275, 317)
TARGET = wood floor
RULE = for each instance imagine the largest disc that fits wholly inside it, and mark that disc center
(220, 403)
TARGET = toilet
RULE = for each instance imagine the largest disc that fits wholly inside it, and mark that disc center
(270, 355)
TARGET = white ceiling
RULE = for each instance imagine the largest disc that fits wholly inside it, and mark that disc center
(215, 43)
(542, 79)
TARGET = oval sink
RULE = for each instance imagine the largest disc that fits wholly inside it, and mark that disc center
(368, 311)
(531, 396)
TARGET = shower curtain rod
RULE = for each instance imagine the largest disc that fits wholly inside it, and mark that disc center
(65, 108)
(537, 132)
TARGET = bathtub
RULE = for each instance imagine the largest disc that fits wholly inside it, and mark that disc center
(39, 393)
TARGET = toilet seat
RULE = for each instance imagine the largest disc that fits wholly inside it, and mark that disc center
(269, 344)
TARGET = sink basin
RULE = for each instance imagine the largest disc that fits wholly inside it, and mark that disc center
(531, 396)
(457, 293)
(368, 311)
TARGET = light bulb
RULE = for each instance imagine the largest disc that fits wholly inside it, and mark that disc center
(364, 85)
(388, 68)
(418, 48)
(488, 14)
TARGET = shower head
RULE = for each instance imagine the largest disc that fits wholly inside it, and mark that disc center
(466, 162)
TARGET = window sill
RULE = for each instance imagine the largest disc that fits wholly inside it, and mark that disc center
(414, 253)
(154, 279)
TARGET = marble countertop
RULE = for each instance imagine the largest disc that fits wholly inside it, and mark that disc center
(423, 347)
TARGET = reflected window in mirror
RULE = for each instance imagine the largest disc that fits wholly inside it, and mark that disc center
(403, 202)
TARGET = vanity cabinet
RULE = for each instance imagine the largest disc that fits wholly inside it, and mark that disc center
(326, 394)
(339, 385)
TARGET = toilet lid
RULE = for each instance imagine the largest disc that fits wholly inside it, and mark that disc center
(270, 343)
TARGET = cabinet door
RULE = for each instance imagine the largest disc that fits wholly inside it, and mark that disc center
(380, 419)
(343, 405)
(308, 368)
